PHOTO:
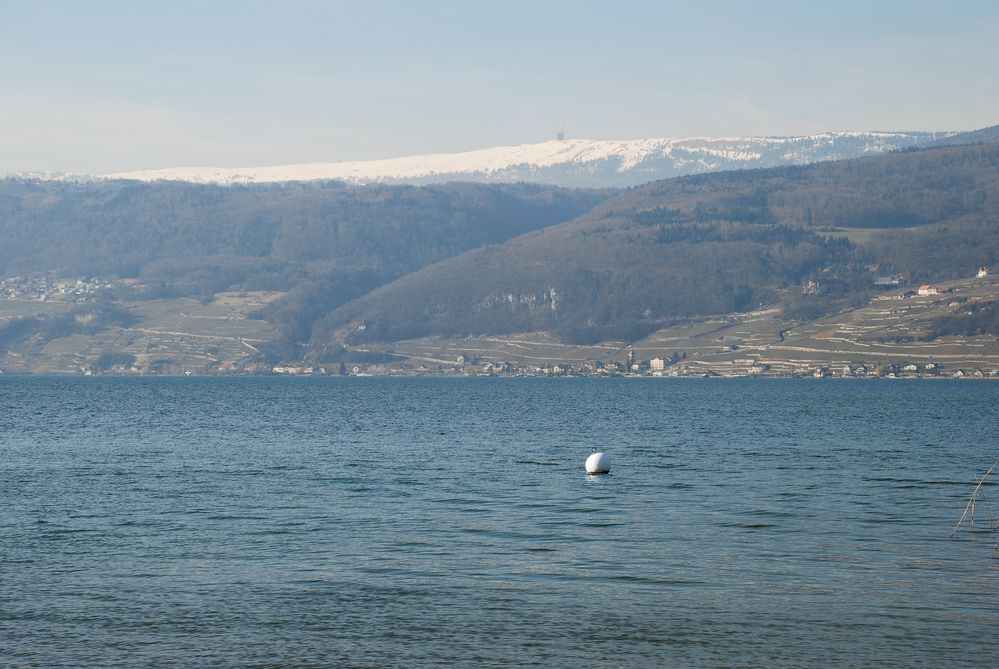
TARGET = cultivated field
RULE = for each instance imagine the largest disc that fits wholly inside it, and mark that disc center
(169, 336)
(885, 332)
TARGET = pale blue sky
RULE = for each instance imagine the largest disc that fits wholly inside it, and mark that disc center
(106, 86)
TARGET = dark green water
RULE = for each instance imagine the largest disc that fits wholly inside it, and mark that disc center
(445, 522)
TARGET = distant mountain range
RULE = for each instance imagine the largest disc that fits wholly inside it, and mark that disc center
(571, 162)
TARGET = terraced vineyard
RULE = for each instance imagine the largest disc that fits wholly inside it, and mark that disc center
(875, 339)
(168, 336)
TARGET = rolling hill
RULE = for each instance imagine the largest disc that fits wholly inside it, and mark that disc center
(980, 136)
(319, 244)
(181, 276)
(809, 238)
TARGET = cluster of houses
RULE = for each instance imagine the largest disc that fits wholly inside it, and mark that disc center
(299, 370)
(906, 370)
(657, 367)
(41, 288)
(895, 280)
(465, 365)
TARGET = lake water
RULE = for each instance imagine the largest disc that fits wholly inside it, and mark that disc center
(265, 522)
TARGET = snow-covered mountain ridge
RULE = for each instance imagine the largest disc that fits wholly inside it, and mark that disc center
(570, 162)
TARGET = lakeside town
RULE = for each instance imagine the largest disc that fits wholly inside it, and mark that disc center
(44, 288)
(887, 338)
(656, 367)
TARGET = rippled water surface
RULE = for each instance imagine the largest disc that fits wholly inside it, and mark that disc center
(412, 522)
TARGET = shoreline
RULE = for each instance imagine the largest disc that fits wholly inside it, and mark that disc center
(665, 377)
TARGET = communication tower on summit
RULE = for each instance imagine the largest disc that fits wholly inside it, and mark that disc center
(561, 132)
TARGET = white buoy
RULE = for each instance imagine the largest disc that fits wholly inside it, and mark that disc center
(598, 463)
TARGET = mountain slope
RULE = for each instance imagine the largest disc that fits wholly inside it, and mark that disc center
(980, 136)
(704, 245)
(323, 243)
(574, 162)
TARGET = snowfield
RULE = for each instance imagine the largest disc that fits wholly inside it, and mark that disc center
(570, 162)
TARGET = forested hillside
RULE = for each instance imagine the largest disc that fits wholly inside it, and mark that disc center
(980, 136)
(356, 265)
(325, 243)
(810, 238)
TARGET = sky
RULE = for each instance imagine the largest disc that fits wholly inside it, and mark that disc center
(111, 86)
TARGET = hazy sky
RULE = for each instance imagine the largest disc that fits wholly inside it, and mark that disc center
(107, 86)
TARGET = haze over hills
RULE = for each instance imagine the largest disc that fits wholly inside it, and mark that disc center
(569, 162)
